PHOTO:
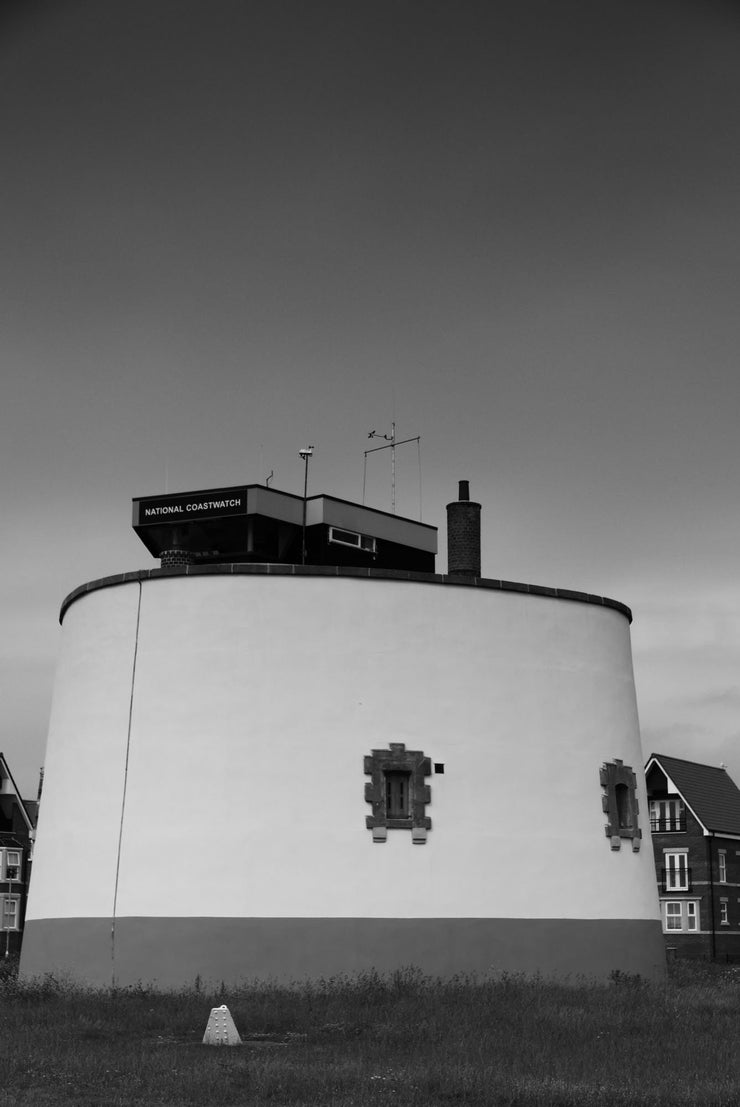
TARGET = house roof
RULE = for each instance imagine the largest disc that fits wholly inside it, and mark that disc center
(710, 792)
(7, 776)
(32, 807)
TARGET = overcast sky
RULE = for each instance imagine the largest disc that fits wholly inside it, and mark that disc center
(231, 228)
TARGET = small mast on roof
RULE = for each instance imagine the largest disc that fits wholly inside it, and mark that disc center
(463, 534)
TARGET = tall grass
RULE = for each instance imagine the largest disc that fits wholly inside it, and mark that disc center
(372, 1040)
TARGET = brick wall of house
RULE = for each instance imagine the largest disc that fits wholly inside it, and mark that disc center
(706, 889)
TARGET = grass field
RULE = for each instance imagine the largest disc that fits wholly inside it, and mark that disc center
(367, 1040)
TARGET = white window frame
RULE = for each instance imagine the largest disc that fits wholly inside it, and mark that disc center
(8, 863)
(673, 912)
(724, 913)
(676, 874)
(358, 541)
(722, 865)
(9, 899)
(683, 911)
(670, 812)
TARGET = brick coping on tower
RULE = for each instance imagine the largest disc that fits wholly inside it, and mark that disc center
(276, 569)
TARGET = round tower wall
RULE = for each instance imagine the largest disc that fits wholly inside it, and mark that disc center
(205, 778)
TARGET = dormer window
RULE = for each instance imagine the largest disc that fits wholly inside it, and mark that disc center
(667, 815)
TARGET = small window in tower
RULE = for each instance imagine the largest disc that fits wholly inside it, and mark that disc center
(397, 795)
(397, 792)
(624, 807)
(619, 803)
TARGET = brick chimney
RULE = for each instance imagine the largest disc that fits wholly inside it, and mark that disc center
(174, 559)
(463, 534)
(178, 554)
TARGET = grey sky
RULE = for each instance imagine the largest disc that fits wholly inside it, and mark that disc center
(232, 228)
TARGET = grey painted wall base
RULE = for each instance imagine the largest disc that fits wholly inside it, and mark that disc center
(171, 952)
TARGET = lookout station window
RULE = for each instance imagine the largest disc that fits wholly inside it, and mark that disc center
(397, 792)
(619, 803)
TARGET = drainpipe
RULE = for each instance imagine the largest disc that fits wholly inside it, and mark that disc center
(713, 942)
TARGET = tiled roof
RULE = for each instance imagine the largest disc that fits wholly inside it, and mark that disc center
(710, 793)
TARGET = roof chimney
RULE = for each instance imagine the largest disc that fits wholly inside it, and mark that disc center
(463, 534)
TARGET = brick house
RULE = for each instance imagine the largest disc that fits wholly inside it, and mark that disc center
(17, 822)
(695, 824)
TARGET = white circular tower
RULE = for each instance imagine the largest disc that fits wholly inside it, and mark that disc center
(280, 771)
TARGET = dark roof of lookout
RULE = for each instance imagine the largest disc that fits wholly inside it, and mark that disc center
(279, 569)
(709, 791)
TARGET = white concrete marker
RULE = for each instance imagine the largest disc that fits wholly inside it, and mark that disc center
(221, 1029)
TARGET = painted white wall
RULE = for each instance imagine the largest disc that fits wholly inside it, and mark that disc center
(256, 699)
(74, 863)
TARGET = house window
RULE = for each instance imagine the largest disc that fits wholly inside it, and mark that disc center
(11, 864)
(724, 916)
(680, 916)
(9, 906)
(667, 815)
(676, 874)
(673, 916)
(722, 855)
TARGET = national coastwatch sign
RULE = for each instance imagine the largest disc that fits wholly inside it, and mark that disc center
(190, 505)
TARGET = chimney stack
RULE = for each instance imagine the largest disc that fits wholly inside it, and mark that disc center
(463, 534)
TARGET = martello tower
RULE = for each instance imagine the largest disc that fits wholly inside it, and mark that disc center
(271, 769)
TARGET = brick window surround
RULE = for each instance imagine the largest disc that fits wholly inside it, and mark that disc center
(397, 792)
(619, 804)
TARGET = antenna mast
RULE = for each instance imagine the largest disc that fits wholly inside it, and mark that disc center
(391, 444)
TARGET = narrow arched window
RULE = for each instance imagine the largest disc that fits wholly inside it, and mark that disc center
(619, 803)
(624, 806)
(398, 795)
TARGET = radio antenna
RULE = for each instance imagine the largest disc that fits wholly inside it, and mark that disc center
(391, 442)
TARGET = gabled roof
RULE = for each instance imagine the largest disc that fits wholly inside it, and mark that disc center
(709, 792)
(8, 787)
